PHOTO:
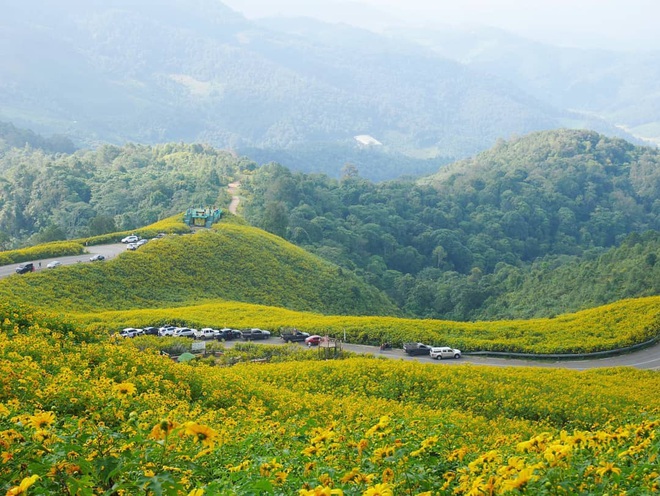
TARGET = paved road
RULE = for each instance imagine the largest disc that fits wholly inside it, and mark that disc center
(648, 358)
(108, 251)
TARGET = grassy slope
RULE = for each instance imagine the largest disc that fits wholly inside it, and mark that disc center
(612, 326)
(232, 262)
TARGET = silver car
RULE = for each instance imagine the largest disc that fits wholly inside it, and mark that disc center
(439, 352)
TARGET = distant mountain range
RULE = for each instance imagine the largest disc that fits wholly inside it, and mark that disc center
(619, 87)
(169, 70)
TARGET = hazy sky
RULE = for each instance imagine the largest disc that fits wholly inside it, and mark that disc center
(589, 23)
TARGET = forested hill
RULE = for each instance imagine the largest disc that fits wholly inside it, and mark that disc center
(552, 191)
(45, 197)
(169, 70)
(13, 137)
(445, 246)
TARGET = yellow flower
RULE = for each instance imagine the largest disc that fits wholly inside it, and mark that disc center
(308, 468)
(607, 468)
(162, 429)
(379, 490)
(241, 466)
(42, 420)
(23, 486)
(124, 389)
(320, 491)
(382, 453)
(280, 477)
(201, 433)
(312, 450)
(196, 492)
(356, 477)
(524, 476)
(388, 475)
(4, 411)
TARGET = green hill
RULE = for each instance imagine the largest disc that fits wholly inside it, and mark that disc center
(446, 246)
(232, 262)
(556, 285)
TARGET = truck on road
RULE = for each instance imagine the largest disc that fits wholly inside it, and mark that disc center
(294, 336)
(416, 348)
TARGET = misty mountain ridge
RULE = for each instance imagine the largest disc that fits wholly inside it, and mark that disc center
(617, 87)
(178, 71)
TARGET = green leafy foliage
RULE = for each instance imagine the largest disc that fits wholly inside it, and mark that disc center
(110, 189)
(450, 245)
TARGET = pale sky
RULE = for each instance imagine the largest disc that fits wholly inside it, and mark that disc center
(587, 23)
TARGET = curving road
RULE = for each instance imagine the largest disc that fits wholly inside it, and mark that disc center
(108, 251)
(648, 358)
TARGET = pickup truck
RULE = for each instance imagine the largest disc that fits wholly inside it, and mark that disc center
(227, 334)
(252, 334)
(441, 352)
(416, 348)
(294, 336)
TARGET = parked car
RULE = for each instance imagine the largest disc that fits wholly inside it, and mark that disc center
(416, 348)
(131, 239)
(294, 336)
(184, 332)
(96, 258)
(131, 332)
(313, 340)
(151, 331)
(206, 333)
(255, 333)
(439, 352)
(142, 242)
(166, 331)
(24, 268)
(132, 246)
(160, 235)
(53, 264)
(227, 334)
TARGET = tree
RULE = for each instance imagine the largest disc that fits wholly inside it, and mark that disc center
(101, 224)
(275, 218)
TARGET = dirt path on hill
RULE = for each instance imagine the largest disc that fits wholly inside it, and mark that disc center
(233, 191)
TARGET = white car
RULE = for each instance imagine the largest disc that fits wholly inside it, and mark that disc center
(206, 333)
(131, 332)
(53, 264)
(166, 331)
(184, 332)
(132, 246)
(439, 352)
(131, 239)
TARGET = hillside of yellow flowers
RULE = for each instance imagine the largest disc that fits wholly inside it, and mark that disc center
(82, 413)
(612, 326)
(238, 276)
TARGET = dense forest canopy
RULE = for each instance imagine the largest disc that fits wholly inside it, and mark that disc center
(429, 244)
(51, 197)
